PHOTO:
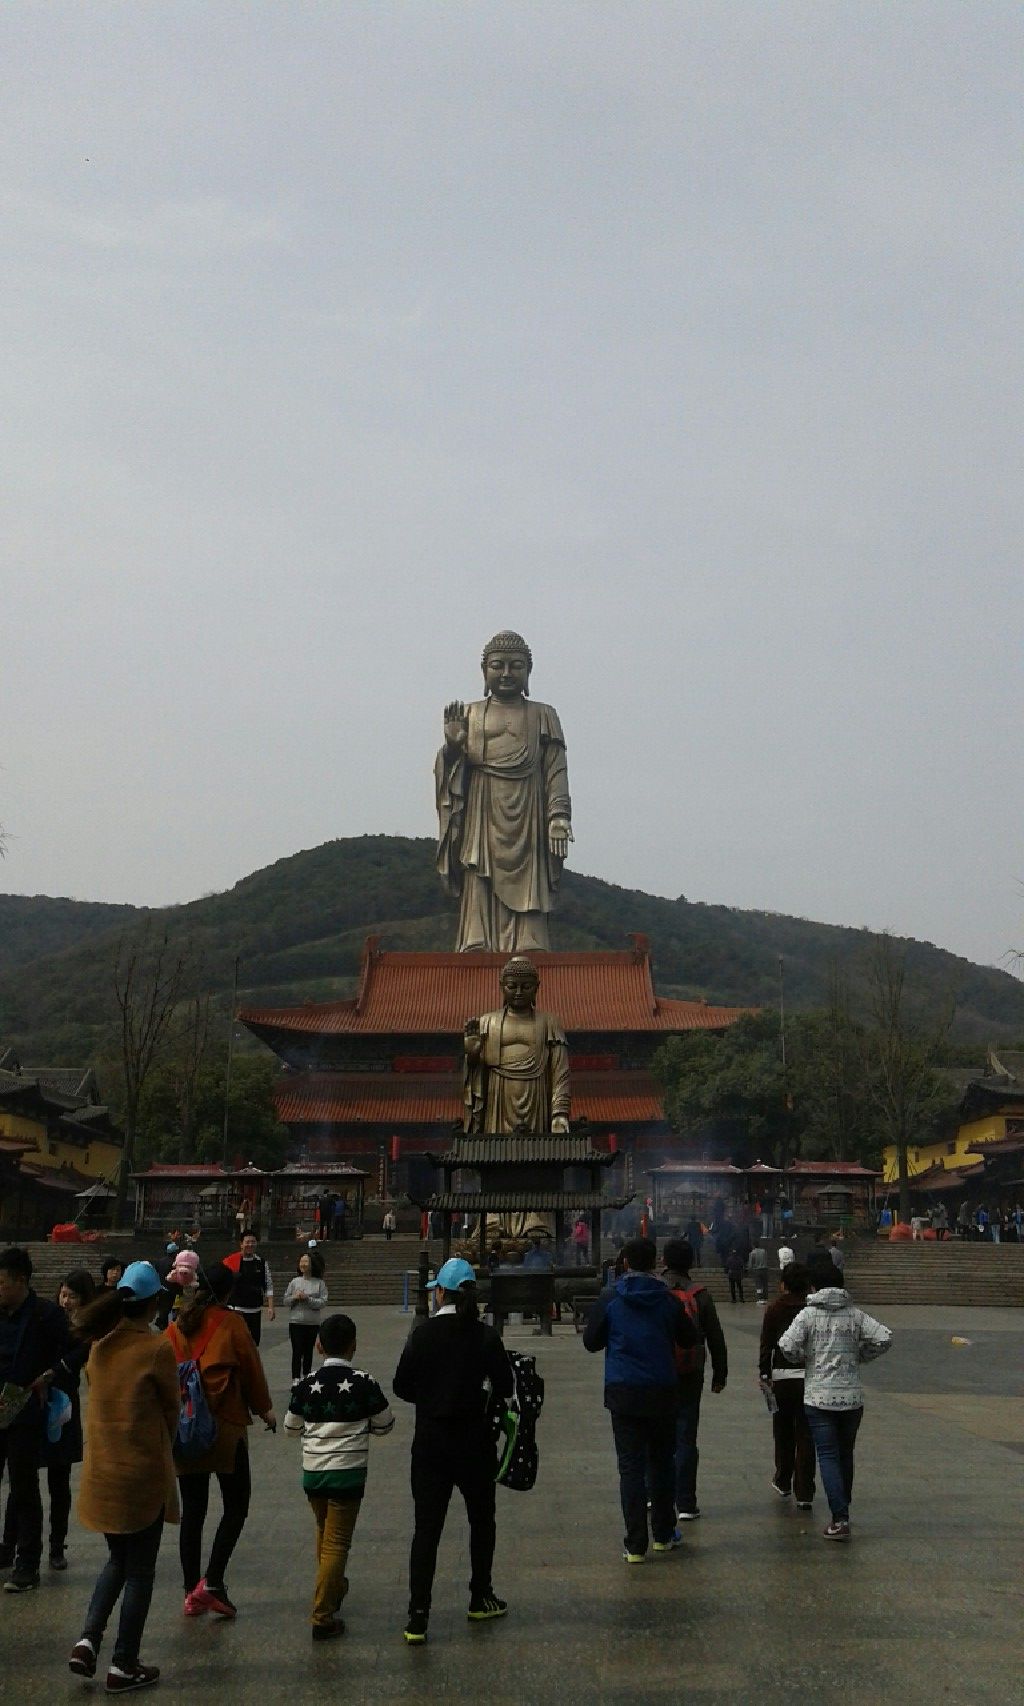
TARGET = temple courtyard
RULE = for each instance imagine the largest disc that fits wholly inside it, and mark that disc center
(925, 1605)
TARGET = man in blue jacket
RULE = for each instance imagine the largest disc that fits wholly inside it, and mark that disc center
(638, 1323)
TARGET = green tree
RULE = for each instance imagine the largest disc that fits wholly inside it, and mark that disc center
(904, 1042)
(257, 1135)
(729, 1089)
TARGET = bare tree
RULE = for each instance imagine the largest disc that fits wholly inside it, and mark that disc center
(903, 1047)
(150, 978)
(192, 1030)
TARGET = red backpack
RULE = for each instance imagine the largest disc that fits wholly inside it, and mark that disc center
(691, 1359)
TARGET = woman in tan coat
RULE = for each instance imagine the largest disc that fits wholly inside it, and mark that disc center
(236, 1389)
(127, 1489)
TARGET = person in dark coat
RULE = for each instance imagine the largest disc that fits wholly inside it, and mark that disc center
(690, 1367)
(638, 1324)
(33, 1340)
(451, 1367)
(60, 1455)
(794, 1447)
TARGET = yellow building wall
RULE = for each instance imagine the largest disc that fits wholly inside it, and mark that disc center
(950, 1152)
(99, 1159)
(16, 1125)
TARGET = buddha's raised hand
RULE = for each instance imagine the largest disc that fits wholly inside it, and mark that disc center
(455, 723)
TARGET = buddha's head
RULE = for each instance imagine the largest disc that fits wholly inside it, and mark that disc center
(520, 982)
(507, 662)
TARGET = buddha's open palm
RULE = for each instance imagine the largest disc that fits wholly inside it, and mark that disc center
(455, 723)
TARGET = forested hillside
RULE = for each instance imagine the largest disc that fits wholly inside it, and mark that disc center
(299, 926)
(33, 925)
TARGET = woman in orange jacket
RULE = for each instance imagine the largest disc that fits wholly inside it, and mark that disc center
(236, 1389)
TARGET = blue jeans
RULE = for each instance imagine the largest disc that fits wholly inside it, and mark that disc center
(834, 1433)
(645, 1447)
(131, 1568)
(687, 1455)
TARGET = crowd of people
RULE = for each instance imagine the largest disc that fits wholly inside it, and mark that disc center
(169, 1411)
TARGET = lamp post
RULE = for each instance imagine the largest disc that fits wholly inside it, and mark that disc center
(231, 1050)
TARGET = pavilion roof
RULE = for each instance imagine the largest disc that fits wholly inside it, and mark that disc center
(844, 1169)
(570, 1149)
(430, 1098)
(519, 1202)
(434, 994)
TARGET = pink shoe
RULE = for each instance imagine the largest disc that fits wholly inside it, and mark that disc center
(215, 1600)
(194, 1605)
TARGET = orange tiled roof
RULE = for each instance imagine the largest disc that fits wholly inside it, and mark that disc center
(432, 994)
(411, 1098)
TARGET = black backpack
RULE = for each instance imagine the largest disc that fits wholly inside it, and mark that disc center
(516, 1425)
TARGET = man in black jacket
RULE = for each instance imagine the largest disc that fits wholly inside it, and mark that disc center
(253, 1287)
(690, 1365)
(451, 1368)
(33, 1339)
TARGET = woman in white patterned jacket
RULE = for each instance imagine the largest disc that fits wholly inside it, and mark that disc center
(832, 1338)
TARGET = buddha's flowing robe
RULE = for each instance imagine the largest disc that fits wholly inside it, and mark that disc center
(496, 799)
(517, 1086)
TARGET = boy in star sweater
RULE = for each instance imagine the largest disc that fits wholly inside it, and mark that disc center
(335, 1410)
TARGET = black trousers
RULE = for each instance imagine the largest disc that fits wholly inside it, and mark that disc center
(446, 1455)
(303, 1340)
(794, 1447)
(128, 1575)
(58, 1483)
(194, 1493)
(254, 1321)
(645, 1449)
(20, 1450)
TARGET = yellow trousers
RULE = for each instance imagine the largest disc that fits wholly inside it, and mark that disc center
(335, 1522)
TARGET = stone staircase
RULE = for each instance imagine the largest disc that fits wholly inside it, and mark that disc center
(358, 1271)
(882, 1273)
(369, 1271)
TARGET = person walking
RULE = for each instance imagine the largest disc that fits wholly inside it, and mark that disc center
(638, 1324)
(786, 1255)
(235, 1388)
(127, 1490)
(757, 1262)
(831, 1338)
(305, 1299)
(335, 1415)
(60, 1454)
(734, 1268)
(794, 1447)
(694, 1236)
(389, 1224)
(690, 1367)
(254, 1288)
(451, 1367)
(33, 1341)
(580, 1241)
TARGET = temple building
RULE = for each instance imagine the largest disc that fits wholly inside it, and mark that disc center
(377, 1080)
(58, 1145)
(991, 1111)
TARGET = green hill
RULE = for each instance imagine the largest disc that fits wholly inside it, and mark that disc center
(34, 925)
(299, 927)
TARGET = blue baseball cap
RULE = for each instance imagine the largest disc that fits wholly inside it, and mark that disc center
(139, 1281)
(453, 1273)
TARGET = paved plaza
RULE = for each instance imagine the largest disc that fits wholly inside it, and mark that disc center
(923, 1606)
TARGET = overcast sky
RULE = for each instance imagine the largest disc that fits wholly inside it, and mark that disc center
(684, 338)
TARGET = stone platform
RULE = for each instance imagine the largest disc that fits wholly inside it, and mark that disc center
(755, 1608)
